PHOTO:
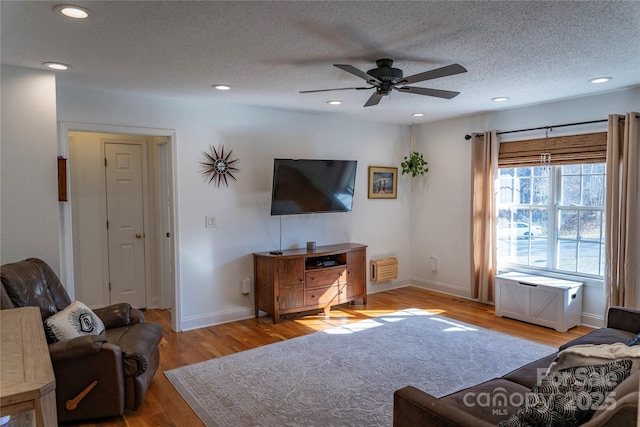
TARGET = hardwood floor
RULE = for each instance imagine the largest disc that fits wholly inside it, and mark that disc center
(165, 407)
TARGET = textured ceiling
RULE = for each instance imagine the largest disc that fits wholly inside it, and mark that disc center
(531, 52)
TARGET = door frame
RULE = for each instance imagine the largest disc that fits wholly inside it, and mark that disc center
(66, 236)
(163, 218)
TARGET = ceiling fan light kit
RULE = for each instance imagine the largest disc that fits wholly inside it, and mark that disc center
(385, 79)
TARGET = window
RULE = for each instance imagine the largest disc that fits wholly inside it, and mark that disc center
(552, 219)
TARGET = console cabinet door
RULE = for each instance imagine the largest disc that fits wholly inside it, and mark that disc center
(290, 283)
(356, 281)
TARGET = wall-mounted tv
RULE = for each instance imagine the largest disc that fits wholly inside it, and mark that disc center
(302, 186)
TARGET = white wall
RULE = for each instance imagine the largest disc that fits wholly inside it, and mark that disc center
(433, 221)
(213, 261)
(29, 149)
(441, 207)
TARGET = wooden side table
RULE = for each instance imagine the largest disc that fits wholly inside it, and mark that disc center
(27, 381)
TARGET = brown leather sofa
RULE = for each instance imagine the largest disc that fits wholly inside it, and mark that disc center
(122, 360)
(413, 407)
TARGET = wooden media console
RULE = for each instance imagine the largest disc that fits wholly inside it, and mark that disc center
(303, 279)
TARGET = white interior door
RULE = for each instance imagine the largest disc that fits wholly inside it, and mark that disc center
(125, 219)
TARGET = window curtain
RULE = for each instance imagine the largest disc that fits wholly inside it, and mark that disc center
(623, 138)
(484, 171)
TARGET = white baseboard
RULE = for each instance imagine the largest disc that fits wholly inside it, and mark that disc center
(197, 322)
(592, 320)
(444, 288)
(212, 319)
(374, 288)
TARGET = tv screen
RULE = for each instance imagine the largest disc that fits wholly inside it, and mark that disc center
(302, 186)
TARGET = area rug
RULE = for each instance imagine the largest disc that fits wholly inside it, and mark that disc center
(346, 376)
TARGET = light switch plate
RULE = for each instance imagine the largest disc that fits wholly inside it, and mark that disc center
(211, 221)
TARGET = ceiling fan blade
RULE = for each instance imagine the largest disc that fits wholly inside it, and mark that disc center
(447, 94)
(373, 99)
(340, 88)
(357, 72)
(449, 70)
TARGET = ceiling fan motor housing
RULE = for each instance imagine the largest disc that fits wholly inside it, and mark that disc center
(386, 74)
(384, 78)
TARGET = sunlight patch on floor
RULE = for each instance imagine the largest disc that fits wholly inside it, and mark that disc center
(453, 326)
(354, 327)
(339, 322)
(391, 316)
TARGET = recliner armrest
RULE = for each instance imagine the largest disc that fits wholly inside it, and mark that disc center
(76, 348)
(136, 316)
(115, 316)
(627, 319)
(414, 407)
(137, 344)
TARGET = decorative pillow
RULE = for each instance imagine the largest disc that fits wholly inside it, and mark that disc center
(569, 397)
(634, 341)
(75, 320)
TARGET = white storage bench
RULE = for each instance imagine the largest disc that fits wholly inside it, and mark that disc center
(544, 301)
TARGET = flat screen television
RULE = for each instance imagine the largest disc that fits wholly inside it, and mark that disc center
(303, 186)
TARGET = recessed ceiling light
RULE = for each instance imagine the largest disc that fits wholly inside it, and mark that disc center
(417, 114)
(72, 11)
(600, 80)
(221, 87)
(334, 102)
(500, 99)
(57, 65)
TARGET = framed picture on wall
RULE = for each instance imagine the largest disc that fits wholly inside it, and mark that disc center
(383, 182)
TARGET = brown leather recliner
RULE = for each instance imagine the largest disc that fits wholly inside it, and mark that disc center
(123, 360)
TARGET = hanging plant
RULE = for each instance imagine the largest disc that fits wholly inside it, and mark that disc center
(414, 164)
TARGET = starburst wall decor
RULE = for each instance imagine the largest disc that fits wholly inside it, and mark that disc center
(219, 166)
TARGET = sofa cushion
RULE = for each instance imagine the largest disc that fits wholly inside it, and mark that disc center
(529, 374)
(601, 336)
(491, 401)
(74, 321)
(570, 397)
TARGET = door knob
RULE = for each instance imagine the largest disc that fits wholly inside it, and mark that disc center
(138, 235)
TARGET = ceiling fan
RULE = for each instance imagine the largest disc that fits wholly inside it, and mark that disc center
(385, 79)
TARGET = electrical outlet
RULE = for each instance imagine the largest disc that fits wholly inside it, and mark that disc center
(211, 221)
(246, 286)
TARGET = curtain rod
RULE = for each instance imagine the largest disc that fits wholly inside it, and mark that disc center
(468, 137)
